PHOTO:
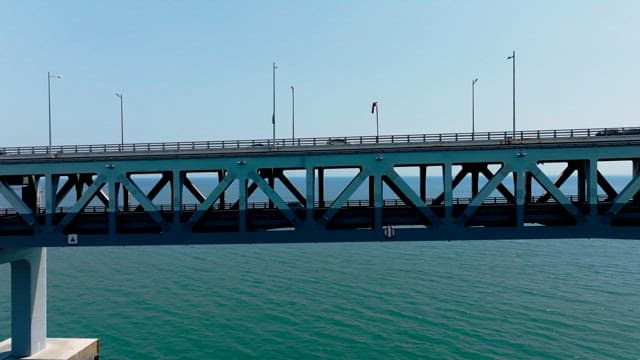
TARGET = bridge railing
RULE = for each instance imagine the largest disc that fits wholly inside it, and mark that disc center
(389, 203)
(268, 144)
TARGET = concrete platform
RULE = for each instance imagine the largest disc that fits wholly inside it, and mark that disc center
(58, 349)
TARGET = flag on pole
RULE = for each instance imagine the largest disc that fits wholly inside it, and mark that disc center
(374, 106)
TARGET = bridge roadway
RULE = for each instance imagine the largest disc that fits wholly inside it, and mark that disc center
(536, 184)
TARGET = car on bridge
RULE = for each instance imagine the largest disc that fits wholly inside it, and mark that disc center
(609, 132)
(337, 141)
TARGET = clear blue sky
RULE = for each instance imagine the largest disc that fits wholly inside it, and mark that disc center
(201, 70)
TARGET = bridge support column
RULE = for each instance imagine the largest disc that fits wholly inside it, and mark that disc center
(28, 299)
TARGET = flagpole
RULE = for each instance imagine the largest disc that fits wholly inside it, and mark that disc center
(273, 117)
(374, 107)
(377, 124)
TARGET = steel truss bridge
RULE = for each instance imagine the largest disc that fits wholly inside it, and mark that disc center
(98, 194)
(494, 185)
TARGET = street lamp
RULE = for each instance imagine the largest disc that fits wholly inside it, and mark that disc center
(374, 108)
(513, 58)
(49, 77)
(273, 117)
(473, 108)
(119, 95)
(293, 114)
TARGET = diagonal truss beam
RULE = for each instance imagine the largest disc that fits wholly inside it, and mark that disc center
(273, 196)
(345, 195)
(625, 195)
(292, 188)
(566, 173)
(215, 194)
(151, 209)
(552, 189)
(402, 189)
(250, 190)
(501, 188)
(606, 186)
(83, 201)
(164, 180)
(101, 195)
(193, 189)
(72, 181)
(23, 210)
(459, 177)
(487, 189)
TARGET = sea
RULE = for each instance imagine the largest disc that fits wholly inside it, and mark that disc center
(506, 299)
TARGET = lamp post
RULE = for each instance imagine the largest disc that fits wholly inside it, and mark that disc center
(473, 108)
(119, 95)
(293, 114)
(513, 58)
(374, 108)
(49, 77)
(273, 117)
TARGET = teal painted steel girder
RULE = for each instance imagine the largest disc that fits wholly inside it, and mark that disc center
(506, 165)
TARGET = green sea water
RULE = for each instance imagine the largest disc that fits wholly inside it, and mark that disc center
(428, 300)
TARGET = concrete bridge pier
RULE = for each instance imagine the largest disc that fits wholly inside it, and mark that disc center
(29, 312)
(28, 299)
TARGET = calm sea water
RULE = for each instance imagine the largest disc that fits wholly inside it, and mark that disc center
(494, 299)
(478, 299)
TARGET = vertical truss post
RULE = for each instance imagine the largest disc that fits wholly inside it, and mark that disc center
(176, 195)
(30, 193)
(114, 188)
(28, 302)
(310, 188)
(372, 191)
(79, 185)
(378, 201)
(591, 171)
(528, 194)
(519, 178)
(125, 199)
(474, 181)
(272, 184)
(50, 187)
(635, 163)
(582, 170)
(242, 202)
(423, 183)
(321, 187)
(448, 191)
(221, 175)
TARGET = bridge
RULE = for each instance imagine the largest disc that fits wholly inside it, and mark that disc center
(459, 186)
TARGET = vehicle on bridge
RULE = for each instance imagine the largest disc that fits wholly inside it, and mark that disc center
(337, 141)
(610, 132)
